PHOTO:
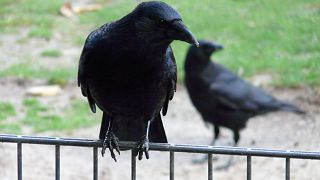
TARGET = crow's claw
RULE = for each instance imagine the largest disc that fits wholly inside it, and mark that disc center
(112, 142)
(142, 147)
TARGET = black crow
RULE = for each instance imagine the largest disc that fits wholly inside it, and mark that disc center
(223, 98)
(128, 70)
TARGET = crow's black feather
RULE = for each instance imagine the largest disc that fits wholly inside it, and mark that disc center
(128, 70)
(222, 97)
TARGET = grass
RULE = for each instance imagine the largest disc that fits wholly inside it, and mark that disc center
(51, 53)
(266, 36)
(41, 117)
(10, 128)
(37, 15)
(33, 70)
(6, 110)
(280, 38)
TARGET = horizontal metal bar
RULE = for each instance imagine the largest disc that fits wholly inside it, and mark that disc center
(241, 151)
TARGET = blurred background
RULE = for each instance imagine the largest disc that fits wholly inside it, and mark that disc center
(273, 44)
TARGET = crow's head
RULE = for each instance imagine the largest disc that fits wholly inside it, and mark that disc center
(158, 22)
(206, 48)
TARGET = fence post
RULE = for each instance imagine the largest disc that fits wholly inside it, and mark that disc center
(248, 167)
(287, 168)
(95, 163)
(210, 176)
(133, 165)
(171, 165)
(57, 150)
(19, 158)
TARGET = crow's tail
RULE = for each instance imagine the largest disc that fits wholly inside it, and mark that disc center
(157, 133)
(127, 129)
(290, 108)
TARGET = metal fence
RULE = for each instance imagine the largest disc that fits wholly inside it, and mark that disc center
(172, 148)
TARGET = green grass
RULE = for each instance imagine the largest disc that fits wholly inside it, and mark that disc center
(35, 14)
(51, 53)
(280, 38)
(6, 110)
(41, 118)
(33, 70)
(10, 128)
(267, 36)
(260, 36)
(7, 126)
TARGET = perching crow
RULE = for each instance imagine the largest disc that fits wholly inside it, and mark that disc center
(128, 70)
(223, 98)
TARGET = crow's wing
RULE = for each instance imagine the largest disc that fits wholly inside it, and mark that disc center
(236, 93)
(91, 42)
(171, 74)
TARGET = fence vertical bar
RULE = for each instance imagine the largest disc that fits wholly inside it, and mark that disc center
(19, 159)
(287, 168)
(171, 165)
(133, 165)
(210, 167)
(248, 167)
(95, 163)
(57, 162)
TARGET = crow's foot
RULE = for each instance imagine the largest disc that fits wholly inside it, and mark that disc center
(142, 147)
(112, 142)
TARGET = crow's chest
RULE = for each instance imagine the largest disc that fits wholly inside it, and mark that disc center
(131, 70)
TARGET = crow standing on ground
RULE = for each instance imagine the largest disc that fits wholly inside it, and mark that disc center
(128, 70)
(223, 98)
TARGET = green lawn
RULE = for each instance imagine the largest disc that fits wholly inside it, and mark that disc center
(266, 36)
(42, 117)
(281, 38)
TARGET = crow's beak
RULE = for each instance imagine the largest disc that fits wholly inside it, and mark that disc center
(181, 32)
(216, 47)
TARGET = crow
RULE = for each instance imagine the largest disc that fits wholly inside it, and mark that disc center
(223, 98)
(127, 68)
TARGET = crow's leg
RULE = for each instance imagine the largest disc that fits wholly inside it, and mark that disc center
(216, 135)
(214, 139)
(143, 144)
(236, 137)
(110, 141)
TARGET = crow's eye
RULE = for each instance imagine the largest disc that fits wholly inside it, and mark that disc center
(161, 21)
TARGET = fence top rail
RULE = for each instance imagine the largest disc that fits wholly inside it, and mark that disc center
(242, 151)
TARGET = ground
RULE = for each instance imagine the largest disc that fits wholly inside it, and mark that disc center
(183, 126)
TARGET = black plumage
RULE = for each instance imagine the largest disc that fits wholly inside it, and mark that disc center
(223, 98)
(128, 70)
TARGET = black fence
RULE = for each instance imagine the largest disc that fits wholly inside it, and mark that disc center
(172, 148)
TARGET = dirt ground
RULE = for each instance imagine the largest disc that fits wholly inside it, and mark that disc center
(183, 126)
